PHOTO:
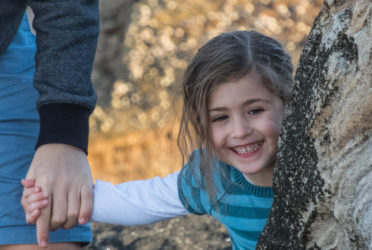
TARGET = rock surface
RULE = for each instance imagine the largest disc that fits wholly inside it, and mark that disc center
(323, 181)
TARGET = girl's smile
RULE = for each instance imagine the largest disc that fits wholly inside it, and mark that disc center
(247, 150)
(245, 121)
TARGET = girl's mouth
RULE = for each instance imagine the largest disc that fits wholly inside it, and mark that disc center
(247, 149)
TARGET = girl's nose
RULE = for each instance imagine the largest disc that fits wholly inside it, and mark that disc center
(241, 128)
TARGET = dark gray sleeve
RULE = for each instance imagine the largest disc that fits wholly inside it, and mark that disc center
(66, 37)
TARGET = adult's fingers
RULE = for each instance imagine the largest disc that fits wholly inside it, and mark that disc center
(86, 204)
(72, 209)
(59, 209)
(42, 226)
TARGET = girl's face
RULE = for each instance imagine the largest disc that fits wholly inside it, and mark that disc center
(245, 120)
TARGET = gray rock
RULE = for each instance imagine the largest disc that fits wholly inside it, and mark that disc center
(323, 179)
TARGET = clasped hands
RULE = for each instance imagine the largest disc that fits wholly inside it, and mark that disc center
(58, 190)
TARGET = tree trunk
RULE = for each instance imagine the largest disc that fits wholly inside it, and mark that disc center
(323, 179)
(108, 65)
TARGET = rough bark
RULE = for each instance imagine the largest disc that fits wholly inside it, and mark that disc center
(323, 179)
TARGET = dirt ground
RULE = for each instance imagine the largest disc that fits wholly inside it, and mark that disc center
(186, 232)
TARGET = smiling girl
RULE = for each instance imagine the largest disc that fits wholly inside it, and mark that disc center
(235, 90)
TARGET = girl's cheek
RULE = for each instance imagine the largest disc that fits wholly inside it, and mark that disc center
(217, 135)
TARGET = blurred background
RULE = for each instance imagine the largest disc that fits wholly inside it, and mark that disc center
(143, 49)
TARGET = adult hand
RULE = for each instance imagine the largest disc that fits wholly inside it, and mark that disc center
(62, 171)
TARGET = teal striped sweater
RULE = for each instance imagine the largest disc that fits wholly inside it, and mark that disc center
(241, 206)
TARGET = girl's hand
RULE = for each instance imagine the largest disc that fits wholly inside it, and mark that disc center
(33, 200)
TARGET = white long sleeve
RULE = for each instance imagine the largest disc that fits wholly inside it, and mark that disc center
(137, 202)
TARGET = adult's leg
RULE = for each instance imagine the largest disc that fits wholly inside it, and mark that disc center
(19, 129)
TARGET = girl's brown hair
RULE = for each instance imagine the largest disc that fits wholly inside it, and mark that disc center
(229, 56)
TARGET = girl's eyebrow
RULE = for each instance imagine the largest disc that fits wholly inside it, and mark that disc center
(217, 109)
(247, 102)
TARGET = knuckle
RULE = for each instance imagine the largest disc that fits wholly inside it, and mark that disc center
(68, 225)
(72, 216)
(56, 222)
(71, 221)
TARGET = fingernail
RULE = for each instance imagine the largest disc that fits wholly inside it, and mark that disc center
(83, 220)
(44, 243)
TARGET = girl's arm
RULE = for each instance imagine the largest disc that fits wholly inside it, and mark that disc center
(137, 202)
(129, 203)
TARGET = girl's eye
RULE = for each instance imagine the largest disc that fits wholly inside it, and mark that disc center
(255, 111)
(219, 118)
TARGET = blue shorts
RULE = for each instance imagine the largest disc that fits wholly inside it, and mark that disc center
(19, 129)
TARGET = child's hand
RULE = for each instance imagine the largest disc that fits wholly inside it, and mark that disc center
(33, 200)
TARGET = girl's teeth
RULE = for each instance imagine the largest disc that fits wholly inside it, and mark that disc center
(247, 149)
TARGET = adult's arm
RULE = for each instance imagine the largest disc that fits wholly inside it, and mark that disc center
(137, 202)
(66, 37)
